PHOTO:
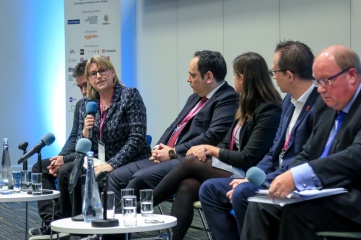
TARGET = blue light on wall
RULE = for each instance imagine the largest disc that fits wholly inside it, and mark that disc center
(32, 92)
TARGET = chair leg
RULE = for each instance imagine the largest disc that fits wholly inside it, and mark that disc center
(205, 224)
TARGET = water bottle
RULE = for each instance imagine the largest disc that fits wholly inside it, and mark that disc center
(6, 172)
(92, 207)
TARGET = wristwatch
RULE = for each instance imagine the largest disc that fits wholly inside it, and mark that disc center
(172, 154)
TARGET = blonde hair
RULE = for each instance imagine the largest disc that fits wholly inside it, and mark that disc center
(101, 62)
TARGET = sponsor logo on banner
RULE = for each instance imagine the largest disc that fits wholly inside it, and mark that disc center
(73, 21)
(71, 99)
(81, 59)
(81, 51)
(88, 37)
(71, 60)
(72, 51)
(92, 19)
(70, 69)
(72, 108)
(70, 78)
(106, 19)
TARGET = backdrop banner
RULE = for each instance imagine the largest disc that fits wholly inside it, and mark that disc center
(92, 27)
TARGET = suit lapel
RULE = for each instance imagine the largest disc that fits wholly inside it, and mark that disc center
(310, 102)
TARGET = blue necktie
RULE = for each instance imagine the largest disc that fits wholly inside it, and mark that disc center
(340, 117)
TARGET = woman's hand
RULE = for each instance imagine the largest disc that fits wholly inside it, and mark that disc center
(103, 168)
(202, 151)
(89, 122)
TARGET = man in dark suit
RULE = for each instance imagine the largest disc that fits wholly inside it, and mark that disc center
(201, 121)
(292, 70)
(51, 166)
(330, 158)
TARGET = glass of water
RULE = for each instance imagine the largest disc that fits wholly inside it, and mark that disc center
(36, 183)
(25, 180)
(129, 211)
(17, 181)
(146, 202)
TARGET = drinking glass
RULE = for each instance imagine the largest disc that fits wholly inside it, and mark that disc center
(36, 183)
(146, 202)
(129, 210)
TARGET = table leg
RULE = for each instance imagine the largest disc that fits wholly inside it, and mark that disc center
(52, 219)
(26, 220)
(170, 233)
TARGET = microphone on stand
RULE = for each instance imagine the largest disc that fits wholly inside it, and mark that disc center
(91, 109)
(46, 140)
(82, 147)
(257, 177)
(102, 179)
(23, 146)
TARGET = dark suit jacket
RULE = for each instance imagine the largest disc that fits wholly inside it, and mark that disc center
(209, 125)
(70, 143)
(299, 135)
(256, 137)
(342, 167)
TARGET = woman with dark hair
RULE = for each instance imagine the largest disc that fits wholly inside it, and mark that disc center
(248, 140)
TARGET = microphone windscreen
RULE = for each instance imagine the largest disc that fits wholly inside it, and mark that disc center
(83, 145)
(48, 139)
(256, 176)
(91, 108)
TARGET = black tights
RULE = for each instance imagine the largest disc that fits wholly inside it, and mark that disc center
(184, 181)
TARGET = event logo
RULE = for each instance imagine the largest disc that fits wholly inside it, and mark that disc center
(73, 21)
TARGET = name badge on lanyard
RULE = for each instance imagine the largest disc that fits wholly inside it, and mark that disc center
(101, 151)
(101, 145)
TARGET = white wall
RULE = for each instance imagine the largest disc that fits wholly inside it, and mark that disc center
(169, 32)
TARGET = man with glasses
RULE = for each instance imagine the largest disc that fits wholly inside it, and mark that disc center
(331, 158)
(51, 166)
(292, 70)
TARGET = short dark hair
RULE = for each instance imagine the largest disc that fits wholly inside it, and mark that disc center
(296, 57)
(79, 69)
(211, 61)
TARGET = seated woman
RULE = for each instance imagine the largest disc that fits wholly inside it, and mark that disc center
(119, 128)
(248, 140)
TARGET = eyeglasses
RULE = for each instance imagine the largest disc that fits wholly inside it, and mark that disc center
(102, 72)
(328, 81)
(272, 72)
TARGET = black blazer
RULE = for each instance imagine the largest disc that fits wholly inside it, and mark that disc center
(209, 125)
(342, 167)
(256, 137)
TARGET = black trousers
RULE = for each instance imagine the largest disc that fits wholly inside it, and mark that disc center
(68, 205)
(297, 221)
(138, 175)
(45, 207)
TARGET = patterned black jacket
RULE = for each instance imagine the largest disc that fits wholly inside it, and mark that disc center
(124, 129)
